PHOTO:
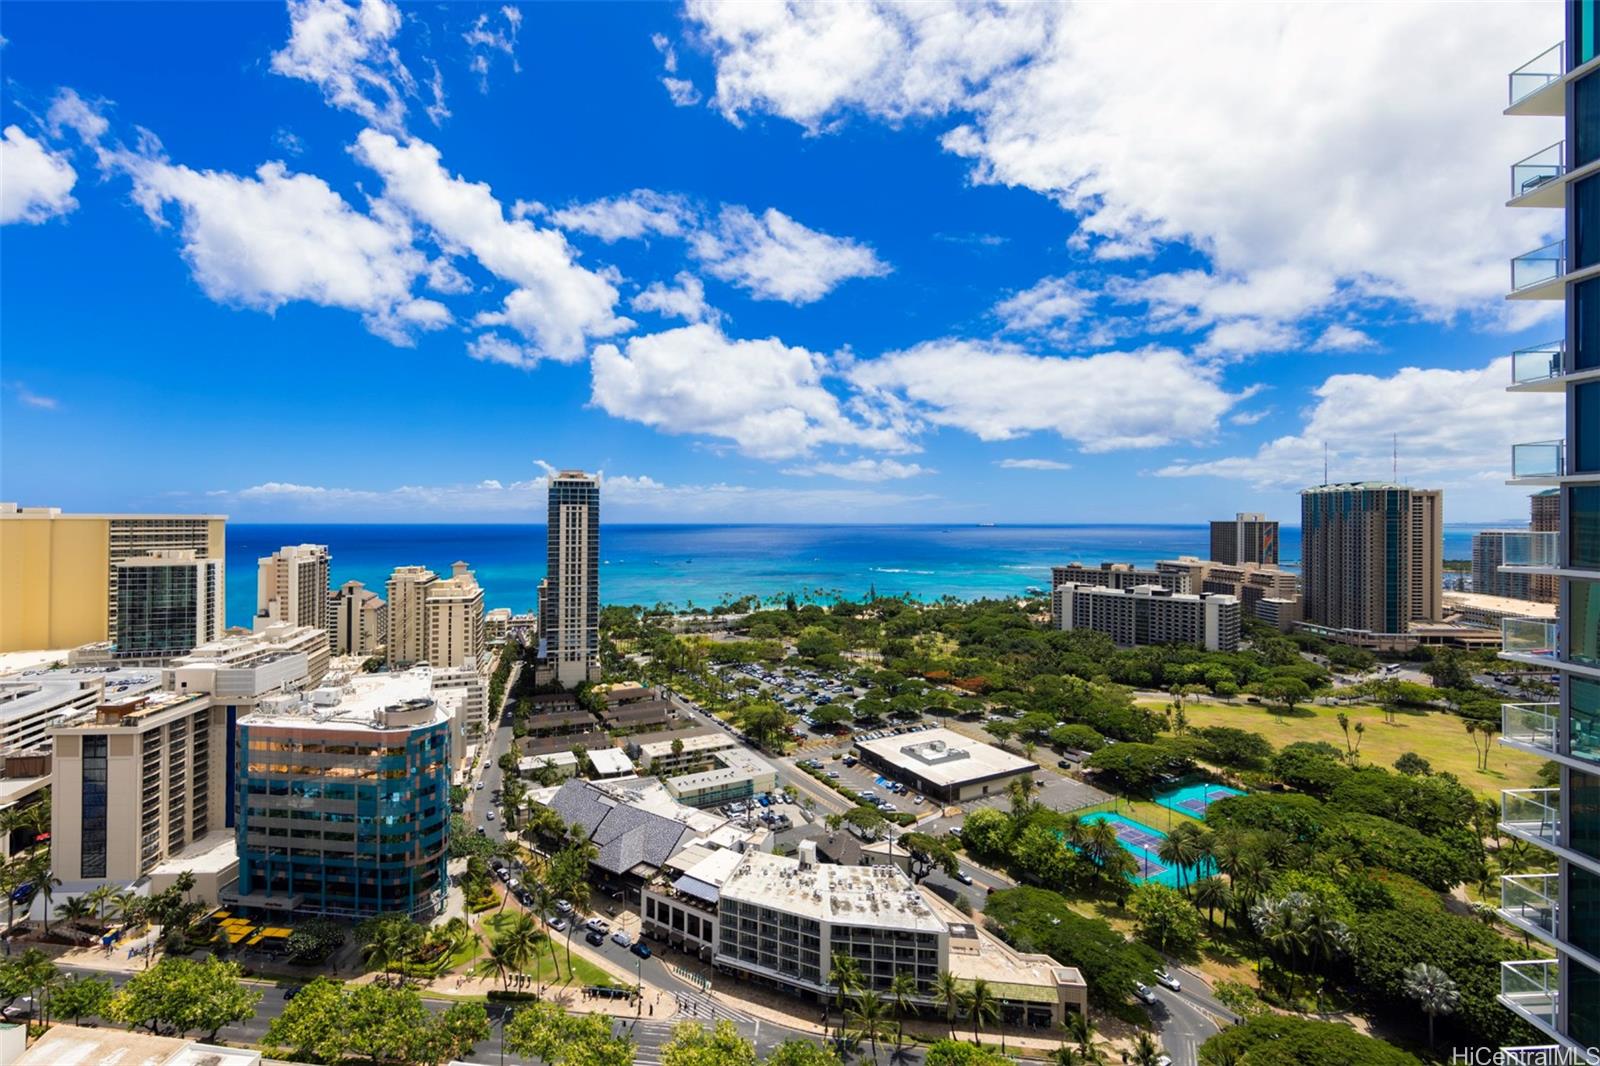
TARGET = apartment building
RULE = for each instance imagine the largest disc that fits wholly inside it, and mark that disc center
(432, 620)
(496, 625)
(454, 608)
(1544, 517)
(1117, 576)
(464, 694)
(358, 620)
(292, 586)
(60, 570)
(1371, 556)
(168, 601)
(1559, 994)
(569, 609)
(1249, 583)
(1245, 538)
(133, 782)
(1149, 614)
(343, 800)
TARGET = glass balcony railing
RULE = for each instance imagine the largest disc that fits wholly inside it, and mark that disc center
(1533, 812)
(1540, 265)
(1538, 363)
(1530, 724)
(1540, 458)
(1532, 989)
(1540, 168)
(1531, 900)
(1531, 549)
(1529, 636)
(1538, 72)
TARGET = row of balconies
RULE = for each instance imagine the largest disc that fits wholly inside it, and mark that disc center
(1532, 902)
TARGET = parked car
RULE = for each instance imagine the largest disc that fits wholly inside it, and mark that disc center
(558, 923)
(595, 938)
(641, 949)
(597, 925)
(964, 877)
(1144, 992)
(621, 938)
(1166, 980)
(563, 906)
(489, 817)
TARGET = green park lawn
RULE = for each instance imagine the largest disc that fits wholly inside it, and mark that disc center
(546, 972)
(1436, 736)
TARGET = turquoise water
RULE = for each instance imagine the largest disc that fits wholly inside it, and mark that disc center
(1141, 841)
(702, 564)
(1194, 800)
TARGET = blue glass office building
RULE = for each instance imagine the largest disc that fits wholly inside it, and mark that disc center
(1560, 996)
(343, 814)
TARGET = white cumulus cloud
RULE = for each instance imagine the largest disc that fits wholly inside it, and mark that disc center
(861, 470)
(777, 258)
(348, 51)
(35, 182)
(1032, 464)
(685, 300)
(764, 396)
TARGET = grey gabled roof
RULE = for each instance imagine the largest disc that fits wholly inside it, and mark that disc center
(626, 836)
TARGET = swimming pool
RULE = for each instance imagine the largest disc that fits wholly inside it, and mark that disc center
(1142, 842)
(1193, 800)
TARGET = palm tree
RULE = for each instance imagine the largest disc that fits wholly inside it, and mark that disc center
(1146, 1052)
(845, 977)
(868, 1016)
(98, 898)
(44, 879)
(1081, 1030)
(982, 1006)
(902, 992)
(1100, 840)
(501, 959)
(1211, 893)
(947, 990)
(1183, 848)
(1326, 937)
(1433, 989)
(74, 909)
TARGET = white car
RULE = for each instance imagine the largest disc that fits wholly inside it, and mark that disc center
(1144, 992)
(1166, 980)
(621, 939)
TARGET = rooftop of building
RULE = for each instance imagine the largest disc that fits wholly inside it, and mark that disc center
(1151, 591)
(1481, 601)
(1361, 486)
(12, 510)
(610, 762)
(401, 699)
(211, 854)
(74, 1045)
(946, 757)
(144, 707)
(34, 691)
(15, 661)
(659, 745)
(879, 896)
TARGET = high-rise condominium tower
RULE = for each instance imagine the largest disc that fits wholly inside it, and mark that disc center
(358, 620)
(1371, 556)
(292, 586)
(408, 615)
(1245, 538)
(572, 600)
(59, 571)
(167, 603)
(1559, 994)
(439, 622)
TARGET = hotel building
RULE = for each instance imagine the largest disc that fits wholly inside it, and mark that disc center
(1560, 996)
(1371, 556)
(343, 800)
(134, 782)
(1245, 538)
(292, 586)
(1117, 576)
(168, 602)
(358, 620)
(60, 570)
(434, 621)
(1149, 614)
(570, 609)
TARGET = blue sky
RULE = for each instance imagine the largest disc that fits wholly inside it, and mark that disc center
(761, 262)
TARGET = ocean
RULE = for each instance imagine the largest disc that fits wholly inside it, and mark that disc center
(702, 564)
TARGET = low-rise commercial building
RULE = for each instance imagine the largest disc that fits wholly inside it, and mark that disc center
(736, 774)
(678, 751)
(1149, 614)
(343, 800)
(944, 764)
(1487, 612)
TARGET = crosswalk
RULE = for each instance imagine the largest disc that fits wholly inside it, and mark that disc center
(700, 1005)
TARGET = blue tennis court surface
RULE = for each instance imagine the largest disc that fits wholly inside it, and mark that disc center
(1194, 800)
(1142, 842)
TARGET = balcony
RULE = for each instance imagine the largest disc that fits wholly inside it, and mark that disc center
(1536, 275)
(1530, 726)
(1529, 638)
(1532, 902)
(1532, 813)
(1535, 87)
(1539, 461)
(1530, 551)
(1536, 180)
(1531, 989)
(1539, 368)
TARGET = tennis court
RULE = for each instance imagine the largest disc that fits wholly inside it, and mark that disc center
(1195, 800)
(1142, 842)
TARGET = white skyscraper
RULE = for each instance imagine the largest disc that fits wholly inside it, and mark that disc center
(572, 600)
(292, 586)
